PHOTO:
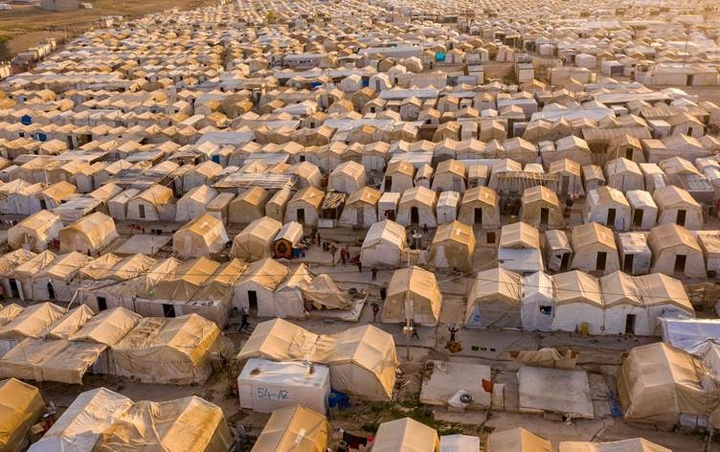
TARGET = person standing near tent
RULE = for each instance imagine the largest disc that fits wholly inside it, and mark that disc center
(244, 319)
(453, 331)
(374, 271)
(375, 311)
(343, 256)
(333, 250)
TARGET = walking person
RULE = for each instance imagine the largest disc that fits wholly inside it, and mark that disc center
(359, 264)
(333, 250)
(375, 310)
(415, 334)
(426, 230)
(343, 256)
(374, 273)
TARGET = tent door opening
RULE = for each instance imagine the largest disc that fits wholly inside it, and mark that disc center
(300, 214)
(51, 291)
(360, 217)
(168, 310)
(565, 262)
(630, 323)
(490, 237)
(637, 218)
(141, 211)
(601, 261)
(544, 216)
(14, 289)
(390, 215)
(414, 215)
(252, 300)
(680, 261)
(388, 183)
(565, 185)
(681, 217)
(43, 204)
(102, 303)
(478, 215)
(612, 213)
(628, 263)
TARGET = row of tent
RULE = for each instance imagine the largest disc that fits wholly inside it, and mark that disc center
(103, 420)
(617, 303)
(169, 287)
(304, 429)
(45, 342)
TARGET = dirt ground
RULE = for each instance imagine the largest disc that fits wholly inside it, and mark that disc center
(25, 26)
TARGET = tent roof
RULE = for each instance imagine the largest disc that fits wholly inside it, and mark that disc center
(185, 280)
(20, 406)
(190, 423)
(405, 434)
(13, 259)
(84, 420)
(620, 288)
(482, 194)
(386, 230)
(671, 235)
(497, 283)
(294, 428)
(590, 233)
(519, 235)
(264, 229)
(96, 227)
(101, 267)
(671, 196)
(415, 280)
(32, 321)
(70, 323)
(364, 195)
(186, 335)
(420, 195)
(34, 265)
(518, 440)
(624, 445)
(65, 266)
(607, 195)
(658, 289)
(576, 286)
(540, 193)
(108, 327)
(455, 232)
(268, 273)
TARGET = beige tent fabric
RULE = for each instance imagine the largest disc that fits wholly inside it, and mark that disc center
(294, 428)
(32, 322)
(80, 426)
(190, 424)
(546, 357)
(131, 267)
(32, 266)
(453, 246)
(534, 199)
(362, 360)
(185, 281)
(9, 312)
(576, 286)
(268, 273)
(519, 235)
(70, 323)
(496, 294)
(256, 240)
(322, 290)
(625, 445)
(657, 383)
(203, 236)
(50, 360)
(91, 233)
(100, 268)
(407, 435)
(20, 406)
(160, 350)
(518, 440)
(423, 293)
(658, 289)
(220, 285)
(11, 260)
(108, 327)
(35, 231)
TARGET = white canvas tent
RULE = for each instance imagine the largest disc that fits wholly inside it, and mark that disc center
(538, 298)
(255, 242)
(519, 248)
(384, 245)
(417, 206)
(89, 235)
(80, 426)
(494, 300)
(608, 206)
(294, 428)
(578, 303)
(416, 289)
(517, 440)
(676, 251)
(35, 232)
(453, 246)
(201, 237)
(406, 435)
(594, 248)
(265, 386)
(362, 360)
